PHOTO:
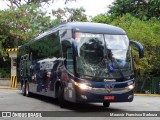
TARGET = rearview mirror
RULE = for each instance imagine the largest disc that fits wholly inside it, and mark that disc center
(139, 46)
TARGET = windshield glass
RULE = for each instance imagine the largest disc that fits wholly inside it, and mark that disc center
(105, 56)
(118, 44)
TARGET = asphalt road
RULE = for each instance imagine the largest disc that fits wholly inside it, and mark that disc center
(13, 100)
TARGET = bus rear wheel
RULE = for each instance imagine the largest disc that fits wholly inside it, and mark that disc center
(60, 96)
(28, 94)
(106, 104)
(24, 89)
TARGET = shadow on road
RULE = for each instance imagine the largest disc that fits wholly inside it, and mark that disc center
(77, 107)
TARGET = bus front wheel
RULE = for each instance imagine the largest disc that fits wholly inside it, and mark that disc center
(106, 104)
(61, 100)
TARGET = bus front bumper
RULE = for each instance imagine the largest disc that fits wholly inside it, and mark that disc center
(101, 95)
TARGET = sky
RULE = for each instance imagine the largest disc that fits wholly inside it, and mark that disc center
(92, 7)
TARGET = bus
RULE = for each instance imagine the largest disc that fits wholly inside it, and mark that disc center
(79, 62)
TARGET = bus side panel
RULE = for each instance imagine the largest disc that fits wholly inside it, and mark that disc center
(45, 60)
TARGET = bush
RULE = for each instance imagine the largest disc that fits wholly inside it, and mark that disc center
(5, 73)
(146, 32)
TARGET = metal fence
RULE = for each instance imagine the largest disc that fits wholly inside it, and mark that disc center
(147, 85)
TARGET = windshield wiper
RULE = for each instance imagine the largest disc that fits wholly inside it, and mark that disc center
(109, 56)
(116, 63)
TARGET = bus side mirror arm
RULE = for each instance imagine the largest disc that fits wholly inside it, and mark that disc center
(139, 46)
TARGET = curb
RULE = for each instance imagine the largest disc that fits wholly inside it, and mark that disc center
(7, 87)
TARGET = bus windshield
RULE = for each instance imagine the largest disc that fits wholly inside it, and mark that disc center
(103, 55)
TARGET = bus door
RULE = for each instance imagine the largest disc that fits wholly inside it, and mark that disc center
(23, 68)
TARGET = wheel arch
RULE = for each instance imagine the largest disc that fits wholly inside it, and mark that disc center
(57, 84)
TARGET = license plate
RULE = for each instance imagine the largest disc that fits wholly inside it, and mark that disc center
(109, 97)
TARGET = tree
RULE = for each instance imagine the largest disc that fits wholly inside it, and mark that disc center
(19, 3)
(146, 32)
(17, 26)
(102, 18)
(143, 9)
(70, 14)
(22, 24)
(77, 14)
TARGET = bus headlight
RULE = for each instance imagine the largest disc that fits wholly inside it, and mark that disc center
(82, 86)
(130, 87)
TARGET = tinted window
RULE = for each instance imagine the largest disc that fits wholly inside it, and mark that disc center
(68, 55)
(48, 46)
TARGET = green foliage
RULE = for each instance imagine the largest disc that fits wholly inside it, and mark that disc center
(77, 14)
(102, 18)
(70, 14)
(148, 33)
(18, 26)
(4, 68)
(21, 24)
(5, 73)
(142, 24)
(19, 3)
(139, 8)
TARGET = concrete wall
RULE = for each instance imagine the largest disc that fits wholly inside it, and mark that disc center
(13, 71)
(5, 82)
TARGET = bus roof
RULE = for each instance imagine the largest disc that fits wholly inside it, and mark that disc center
(91, 27)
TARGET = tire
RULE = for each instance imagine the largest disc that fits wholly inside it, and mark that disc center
(24, 89)
(61, 101)
(28, 94)
(106, 104)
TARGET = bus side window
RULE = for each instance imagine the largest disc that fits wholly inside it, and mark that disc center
(70, 59)
(68, 54)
